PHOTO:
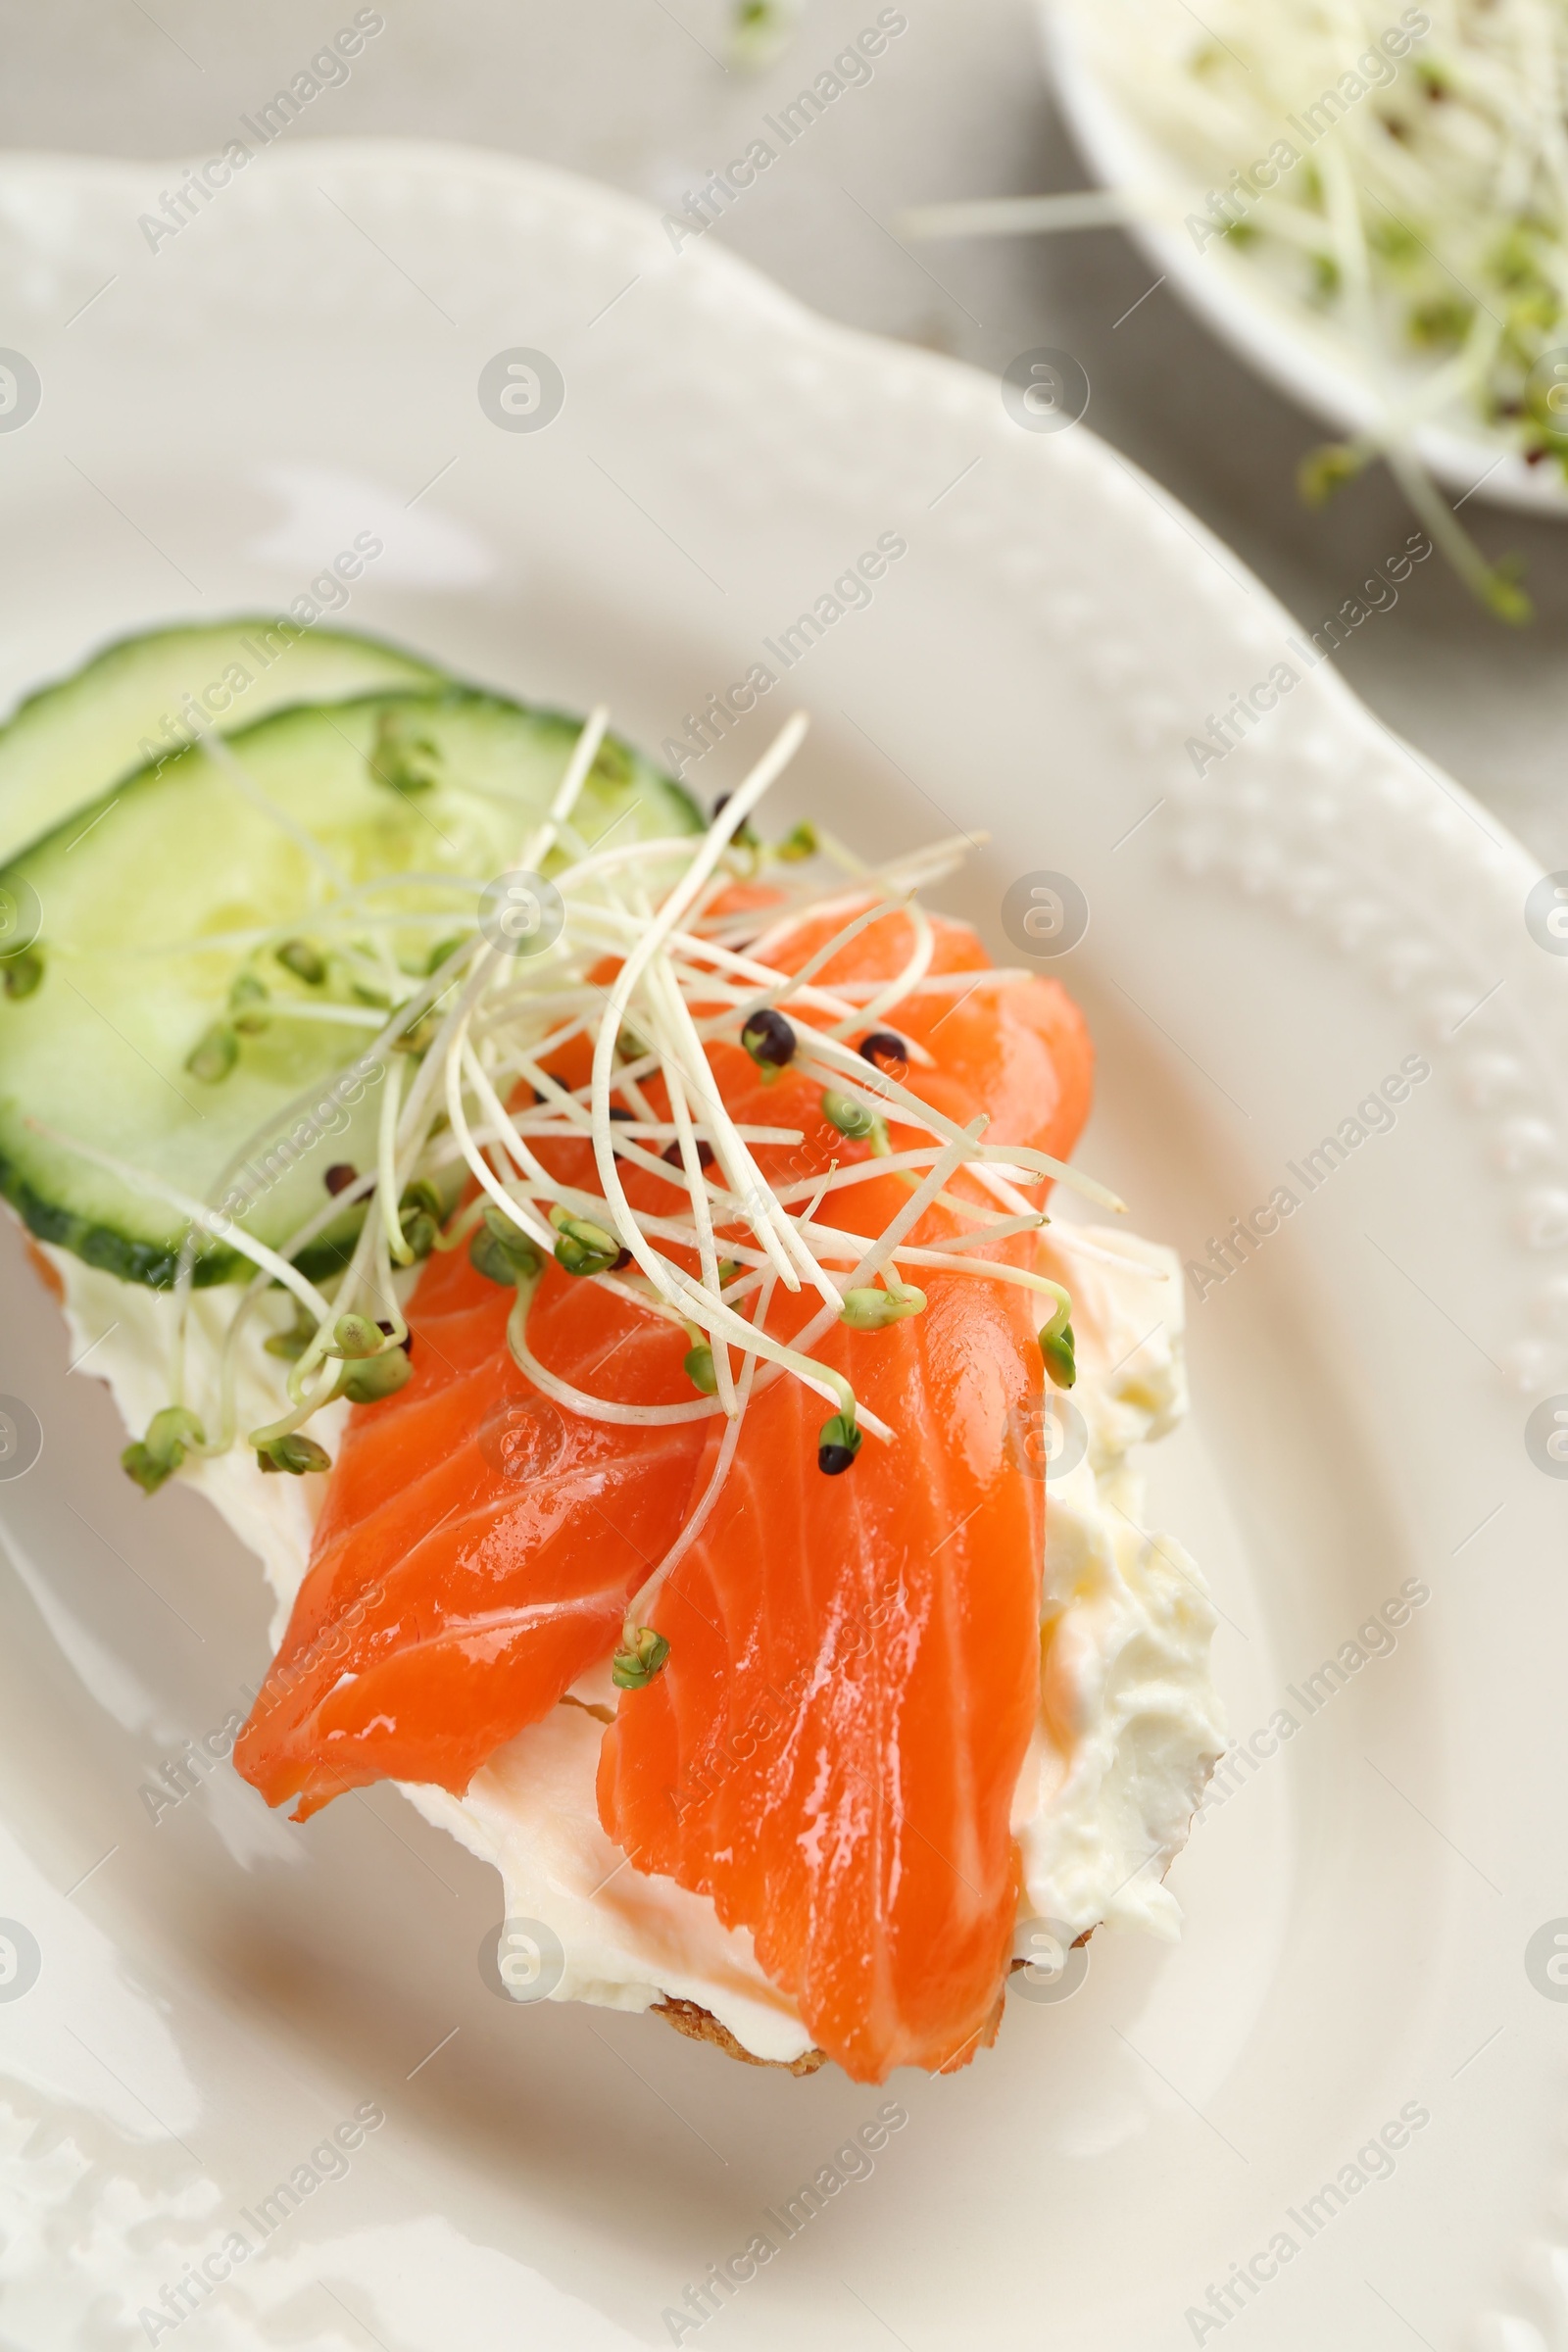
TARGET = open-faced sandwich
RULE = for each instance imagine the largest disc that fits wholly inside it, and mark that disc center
(598, 1259)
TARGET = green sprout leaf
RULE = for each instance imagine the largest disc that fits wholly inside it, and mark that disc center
(213, 1054)
(1325, 469)
(853, 1119)
(158, 1455)
(247, 1005)
(307, 963)
(874, 1309)
(24, 973)
(838, 1443)
(378, 1376)
(634, 1667)
(295, 1454)
(581, 1247)
(1057, 1346)
(499, 1251)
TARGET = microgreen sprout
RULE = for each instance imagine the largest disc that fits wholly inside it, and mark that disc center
(294, 1452)
(871, 1309)
(500, 1251)
(854, 1120)
(1426, 239)
(769, 1039)
(407, 763)
(420, 1216)
(882, 1046)
(307, 963)
(1057, 1343)
(489, 1098)
(24, 973)
(248, 1000)
(839, 1441)
(380, 1375)
(213, 1054)
(582, 1247)
(158, 1455)
(354, 1336)
(634, 1667)
(798, 844)
(291, 1345)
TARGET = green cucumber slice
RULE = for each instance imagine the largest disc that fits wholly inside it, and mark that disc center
(65, 745)
(161, 922)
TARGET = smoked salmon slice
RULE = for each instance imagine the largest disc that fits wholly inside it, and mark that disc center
(830, 1750)
(478, 1546)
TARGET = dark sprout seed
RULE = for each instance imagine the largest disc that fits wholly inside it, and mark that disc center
(672, 1152)
(744, 834)
(768, 1038)
(833, 1460)
(882, 1046)
(340, 1175)
(406, 1341)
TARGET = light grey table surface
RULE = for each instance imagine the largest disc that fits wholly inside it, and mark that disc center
(637, 93)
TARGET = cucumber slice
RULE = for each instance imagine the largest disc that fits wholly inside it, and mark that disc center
(159, 930)
(65, 745)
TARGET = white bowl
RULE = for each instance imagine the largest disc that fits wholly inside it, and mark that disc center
(1303, 353)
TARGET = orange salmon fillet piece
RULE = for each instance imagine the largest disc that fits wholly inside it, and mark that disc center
(831, 1750)
(472, 1559)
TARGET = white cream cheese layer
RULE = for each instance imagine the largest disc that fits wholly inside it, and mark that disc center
(1129, 1724)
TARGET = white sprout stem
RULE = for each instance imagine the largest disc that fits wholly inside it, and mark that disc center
(792, 983)
(880, 1251)
(578, 1401)
(757, 1202)
(647, 1592)
(519, 1215)
(879, 1089)
(387, 1190)
(584, 752)
(696, 1190)
(736, 811)
(905, 983)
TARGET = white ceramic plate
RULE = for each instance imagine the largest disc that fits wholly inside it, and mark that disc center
(1307, 355)
(217, 1991)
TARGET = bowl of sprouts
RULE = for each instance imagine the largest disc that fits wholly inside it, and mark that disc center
(1368, 204)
